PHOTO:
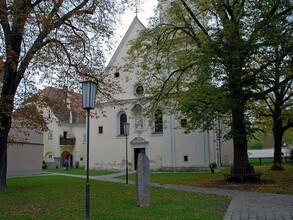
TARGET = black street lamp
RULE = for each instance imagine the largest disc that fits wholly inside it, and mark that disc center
(89, 90)
(126, 132)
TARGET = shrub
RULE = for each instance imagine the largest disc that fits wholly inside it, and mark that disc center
(213, 166)
(291, 155)
(76, 164)
(44, 165)
(257, 145)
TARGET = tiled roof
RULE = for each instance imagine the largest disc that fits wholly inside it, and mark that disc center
(61, 101)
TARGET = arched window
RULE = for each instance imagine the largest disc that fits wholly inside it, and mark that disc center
(122, 120)
(137, 112)
(158, 121)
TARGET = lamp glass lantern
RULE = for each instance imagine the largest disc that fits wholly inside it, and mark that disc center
(126, 128)
(89, 90)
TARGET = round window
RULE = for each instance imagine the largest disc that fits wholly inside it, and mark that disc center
(139, 90)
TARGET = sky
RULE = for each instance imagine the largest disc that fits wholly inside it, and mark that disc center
(145, 11)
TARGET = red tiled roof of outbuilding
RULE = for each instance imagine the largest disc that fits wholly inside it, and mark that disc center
(61, 101)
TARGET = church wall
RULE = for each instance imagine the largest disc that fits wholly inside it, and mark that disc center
(171, 149)
(108, 150)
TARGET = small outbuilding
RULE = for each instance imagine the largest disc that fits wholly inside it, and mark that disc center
(24, 153)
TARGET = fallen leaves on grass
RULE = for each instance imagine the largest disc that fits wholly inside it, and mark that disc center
(271, 181)
(21, 209)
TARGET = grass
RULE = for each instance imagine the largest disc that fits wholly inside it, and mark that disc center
(59, 197)
(261, 161)
(271, 181)
(78, 171)
(257, 161)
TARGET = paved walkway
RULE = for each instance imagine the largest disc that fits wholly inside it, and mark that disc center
(244, 205)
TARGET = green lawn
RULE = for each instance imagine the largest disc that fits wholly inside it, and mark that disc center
(182, 178)
(261, 161)
(59, 197)
(271, 181)
(78, 171)
(257, 161)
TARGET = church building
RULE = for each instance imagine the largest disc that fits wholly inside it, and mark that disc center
(163, 139)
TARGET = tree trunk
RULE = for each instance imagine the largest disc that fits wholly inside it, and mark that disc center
(12, 31)
(5, 124)
(239, 138)
(278, 136)
(3, 158)
(6, 108)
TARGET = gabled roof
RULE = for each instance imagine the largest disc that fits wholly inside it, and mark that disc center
(65, 104)
(130, 34)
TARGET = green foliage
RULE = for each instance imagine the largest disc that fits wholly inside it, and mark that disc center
(288, 137)
(257, 145)
(261, 140)
(291, 155)
(214, 68)
(267, 139)
(44, 165)
(213, 166)
(202, 103)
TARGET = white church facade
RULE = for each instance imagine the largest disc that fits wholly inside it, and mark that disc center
(163, 140)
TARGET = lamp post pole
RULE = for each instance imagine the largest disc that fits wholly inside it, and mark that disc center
(89, 90)
(87, 188)
(126, 163)
(126, 132)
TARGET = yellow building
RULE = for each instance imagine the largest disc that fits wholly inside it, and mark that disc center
(65, 138)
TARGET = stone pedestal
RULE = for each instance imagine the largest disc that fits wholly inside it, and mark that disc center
(143, 181)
